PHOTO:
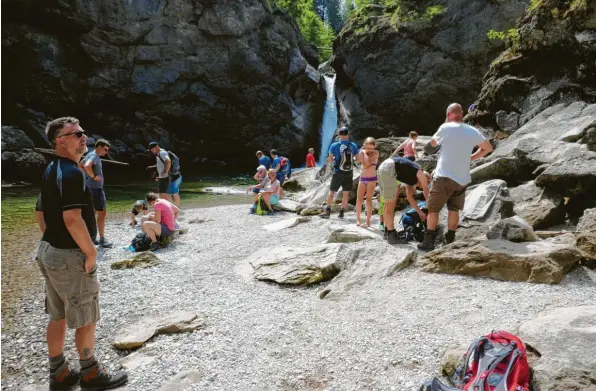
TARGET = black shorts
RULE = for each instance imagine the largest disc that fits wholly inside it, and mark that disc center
(163, 184)
(342, 179)
(99, 199)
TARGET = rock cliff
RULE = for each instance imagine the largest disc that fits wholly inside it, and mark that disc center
(212, 80)
(399, 67)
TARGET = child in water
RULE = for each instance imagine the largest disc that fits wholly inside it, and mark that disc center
(369, 157)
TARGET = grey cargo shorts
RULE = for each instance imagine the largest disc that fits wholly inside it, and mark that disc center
(72, 294)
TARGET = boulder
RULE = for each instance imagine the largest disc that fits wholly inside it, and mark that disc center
(349, 233)
(574, 175)
(136, 335)
(183, 380)
(141, 260)
(499, 168)
(545, 261)
(14, 139)
(514, 229)
(373, 262)
(485, 205)
(316, 210)
(395, 65)
(586, 242)
(302, 180)
(296, 266)
(563, 338)
(588, 221)
(287, 205)
(317, 195)
(539, 207)
(285, 224)
(141, 357)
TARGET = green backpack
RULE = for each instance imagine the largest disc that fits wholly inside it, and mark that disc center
(261, 207)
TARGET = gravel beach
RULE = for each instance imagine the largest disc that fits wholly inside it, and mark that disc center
(260, 336)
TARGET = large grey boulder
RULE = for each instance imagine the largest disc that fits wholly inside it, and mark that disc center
(539, 207)
(422, 65)
(588, 221)
(514, 229)
(209, 79)
(373, 262)
(545, 261)
(297, 266)
(485, 205)
(565, 339)
(574, 175)
(302, 180)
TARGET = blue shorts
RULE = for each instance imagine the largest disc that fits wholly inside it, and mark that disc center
(257, 190)
(174, 186)
(165, 231)
(274, 199)
(281, 178)
(99, 199)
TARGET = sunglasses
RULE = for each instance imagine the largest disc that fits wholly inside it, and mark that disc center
(78, 133)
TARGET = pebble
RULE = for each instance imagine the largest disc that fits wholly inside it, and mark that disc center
(260, 335)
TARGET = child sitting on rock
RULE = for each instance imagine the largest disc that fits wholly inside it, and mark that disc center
(140, 206)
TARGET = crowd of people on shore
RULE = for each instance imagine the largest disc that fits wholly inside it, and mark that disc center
(71, 210)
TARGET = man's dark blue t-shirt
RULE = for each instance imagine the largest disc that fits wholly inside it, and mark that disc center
(265, 161)
(63, 188)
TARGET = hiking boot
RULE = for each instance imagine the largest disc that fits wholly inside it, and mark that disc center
(385, 233)
(65, 380)
(270, 213)
(252, 211)
(428, 244)
(393, 237)
(325, 214)
(154, 246)
(450, 237)
(99, 379)
(104, 243)
(341, 213)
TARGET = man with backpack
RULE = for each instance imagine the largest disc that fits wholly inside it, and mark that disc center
(282, 167)
(168, 173)
(342, 153)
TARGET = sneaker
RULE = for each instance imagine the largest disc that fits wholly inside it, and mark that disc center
(95, 242)
(270, 213)
(65, 380)
(341, 214)
(381, 227)
(100, 380)
(325, 214)
(104, 243)
(154, 246)
(252, 211)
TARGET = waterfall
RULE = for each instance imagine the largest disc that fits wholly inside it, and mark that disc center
(329, 120)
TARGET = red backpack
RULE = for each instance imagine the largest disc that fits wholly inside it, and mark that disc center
(493, 362)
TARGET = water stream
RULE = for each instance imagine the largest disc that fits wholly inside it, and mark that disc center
(329, 120)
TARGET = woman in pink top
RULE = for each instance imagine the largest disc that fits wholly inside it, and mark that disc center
(162, 222)
(409, 147)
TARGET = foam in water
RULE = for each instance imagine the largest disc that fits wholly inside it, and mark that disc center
(329, 120)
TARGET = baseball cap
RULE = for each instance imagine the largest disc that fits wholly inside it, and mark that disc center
(152, 144)
(343, 131)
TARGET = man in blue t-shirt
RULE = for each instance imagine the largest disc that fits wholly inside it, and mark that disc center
(280, 174)
(67, 259)
(94, 179)
(263, 160)
(342, 154)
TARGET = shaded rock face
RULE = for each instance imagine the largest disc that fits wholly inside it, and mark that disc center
(214, 81)
(19, 160)
(545, 261)
(402, 77)
(519, 85)
(560, 337)
(514, 229)
(539, 207)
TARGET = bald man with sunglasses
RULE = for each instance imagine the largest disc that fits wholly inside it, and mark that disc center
(67, 259)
